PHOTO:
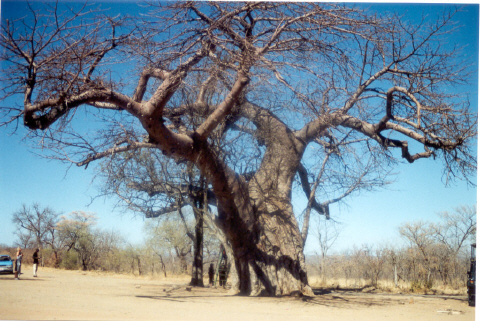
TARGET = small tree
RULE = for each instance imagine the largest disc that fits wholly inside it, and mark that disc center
(420, 235)
(456, 228)
(375, 261)
(452, 233)
(75, 230)
(436, 247)
(134, 256)
(35, 221)
(327, 233)
(166, 234)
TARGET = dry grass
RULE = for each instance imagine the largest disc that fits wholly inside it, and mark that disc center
(382, 286)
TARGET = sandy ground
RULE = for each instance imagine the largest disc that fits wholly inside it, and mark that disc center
(75, 295)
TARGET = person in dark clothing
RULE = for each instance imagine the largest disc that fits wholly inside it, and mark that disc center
(211, 273)
(35, 262)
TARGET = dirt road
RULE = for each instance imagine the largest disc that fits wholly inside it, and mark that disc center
(74, 295)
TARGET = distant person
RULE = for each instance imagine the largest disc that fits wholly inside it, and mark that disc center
(35, 262)
(18, 263)
(211, 273)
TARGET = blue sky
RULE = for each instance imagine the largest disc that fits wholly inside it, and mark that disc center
(418, 193)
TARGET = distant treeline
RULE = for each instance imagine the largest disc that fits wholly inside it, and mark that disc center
(434, 255)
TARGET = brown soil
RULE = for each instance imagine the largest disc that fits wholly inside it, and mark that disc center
(74, 295)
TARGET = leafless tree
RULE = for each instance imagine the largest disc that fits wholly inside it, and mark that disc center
(166, 233)
(154, 186)
(269, 79)
(439, 244)
(134, 255)
(421, 237)
(36, 227)
(25, 240)
(91, 245)
(451, 234)
(326, 233)
(456, 228)
(376, 261)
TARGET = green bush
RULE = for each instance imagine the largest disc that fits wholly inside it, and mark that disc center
(69, 260)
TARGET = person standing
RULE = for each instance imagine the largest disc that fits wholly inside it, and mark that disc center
(35, 262)
(211, 273)
(18, 263)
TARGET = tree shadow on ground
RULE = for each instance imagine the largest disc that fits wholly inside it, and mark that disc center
(326, 290)
(182, 298)
(357, 297)
(336, 300)
(343, 298)
(323, 297)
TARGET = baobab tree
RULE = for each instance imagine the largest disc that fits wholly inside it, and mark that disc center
(241, 90)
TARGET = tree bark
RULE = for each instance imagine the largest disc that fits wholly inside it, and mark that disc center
(183, 262)
(197, 266)
(164, 268)
(260, 225)
(269, 256)
(139, 263)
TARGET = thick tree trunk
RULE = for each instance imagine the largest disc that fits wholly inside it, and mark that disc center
(56, 259)
(278, 262)
(84, 265)
(183, 263)
(257, 218)
(220, 235)
(267, 246)
(273, 265)
(197, 266)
